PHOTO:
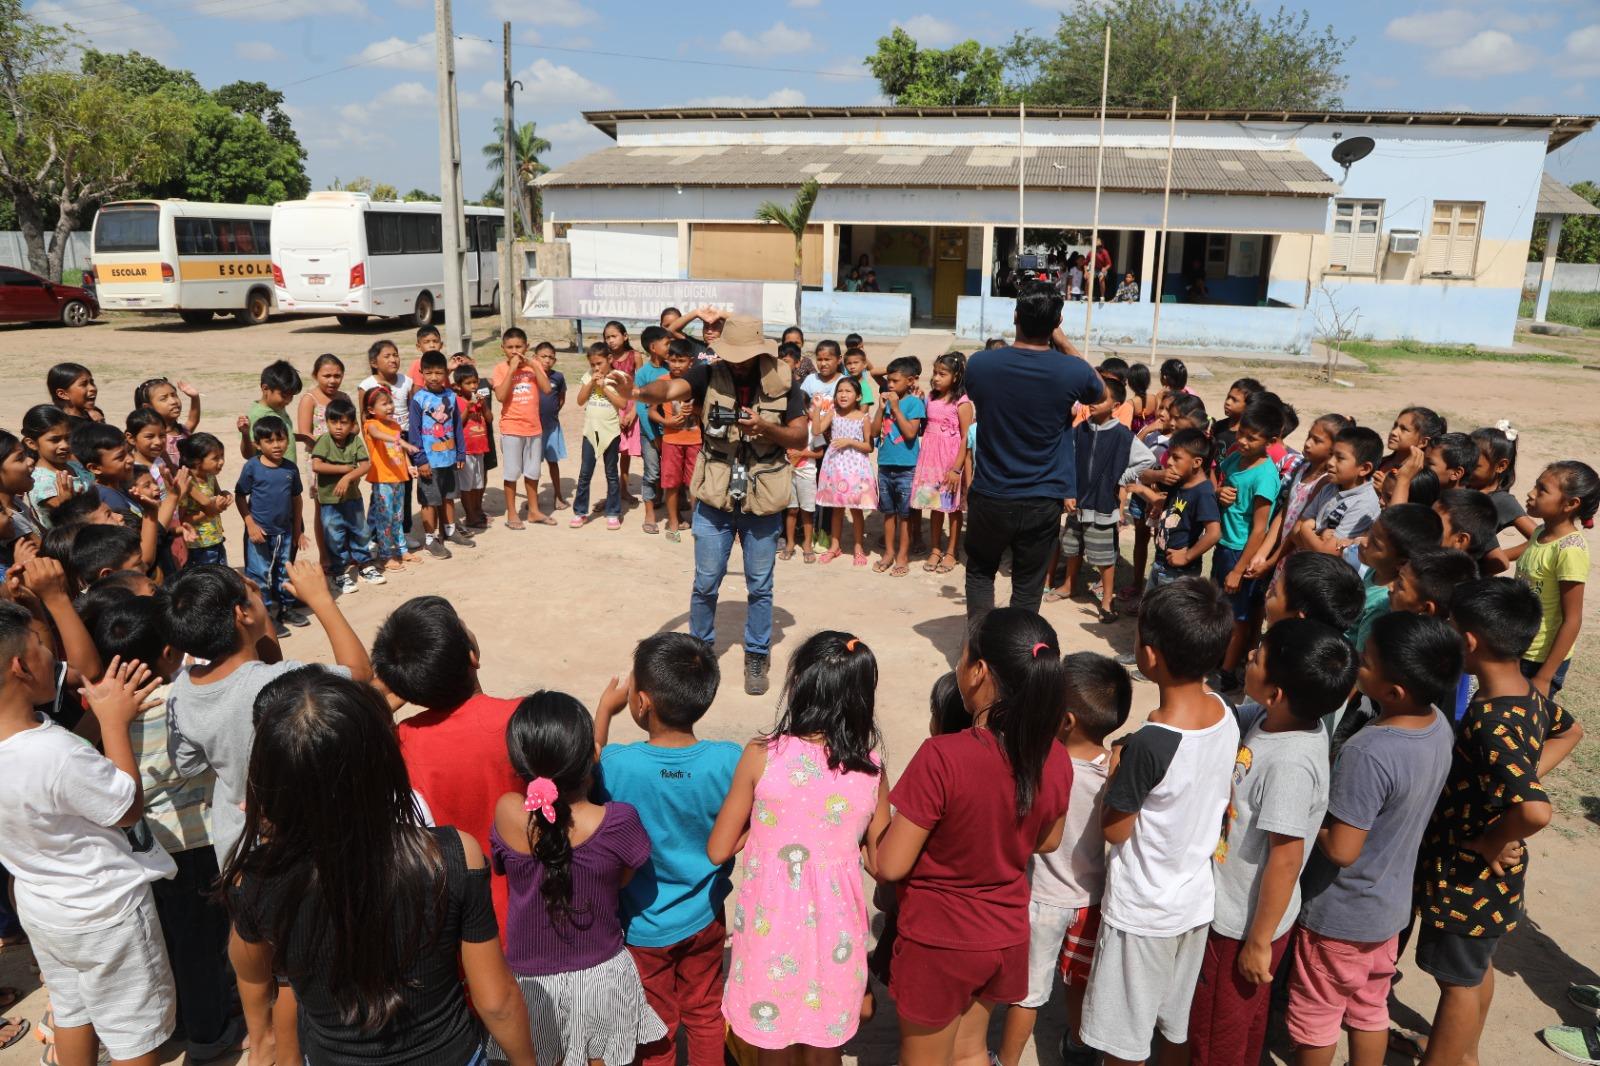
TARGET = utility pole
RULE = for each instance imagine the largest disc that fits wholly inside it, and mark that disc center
(457, 321)
(510, 197)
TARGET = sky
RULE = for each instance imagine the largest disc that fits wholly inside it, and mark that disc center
(358, 75)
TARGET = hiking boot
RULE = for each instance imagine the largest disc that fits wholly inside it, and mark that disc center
(436, 548)
(755, 674)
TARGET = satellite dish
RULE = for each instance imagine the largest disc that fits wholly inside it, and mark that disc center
(1351, 151)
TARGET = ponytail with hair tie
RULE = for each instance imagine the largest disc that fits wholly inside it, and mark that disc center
(1030, 692)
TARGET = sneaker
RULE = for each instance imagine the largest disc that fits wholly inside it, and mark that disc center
(1076, 1054)
(279, 630)
(372, 575)
(346, 583)
(436, 548)
(466, 530)
(461, 538)
(1572, 1042)
(755, 674)
(296, 617)
(1585, 996)
(613, 523)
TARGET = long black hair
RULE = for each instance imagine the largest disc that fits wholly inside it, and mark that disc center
(1030, 683)
(831, 692)
(551, 735)
(332, 836)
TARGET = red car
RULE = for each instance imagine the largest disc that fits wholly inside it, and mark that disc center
(26, 297)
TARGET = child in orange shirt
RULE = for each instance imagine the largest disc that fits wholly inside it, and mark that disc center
(680, 438)
(390, 474)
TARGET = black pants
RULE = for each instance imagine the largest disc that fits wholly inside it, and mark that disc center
(195, 927)
(1029, 527)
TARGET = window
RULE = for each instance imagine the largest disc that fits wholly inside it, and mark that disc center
(263, 234)
(420, 233)
(1357, 225)
(195, 236)
(20, 277)
(224, 231)
(127, 229)
(384, 233)
(244, 237)
(1453, 239)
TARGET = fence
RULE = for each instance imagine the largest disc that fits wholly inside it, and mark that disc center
(14, 250)
(1569, 277)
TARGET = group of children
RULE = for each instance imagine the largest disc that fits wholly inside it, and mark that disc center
(500, 879)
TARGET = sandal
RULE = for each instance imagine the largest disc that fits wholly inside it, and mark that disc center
(878, 567)
(20, 1024)
(932, 565)
(513, 522)
(1107, 617)
(808, 556)
(862, 558)
(1407, 1043)
(1056, 595)
(543, 520)
(901, 570)
(949, 564)
(651, 528)
(829, 556)
(787, 553)
(674, 536)
(562, 505)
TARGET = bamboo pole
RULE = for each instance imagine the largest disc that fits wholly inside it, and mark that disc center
(1161, 239)
(1099, 174)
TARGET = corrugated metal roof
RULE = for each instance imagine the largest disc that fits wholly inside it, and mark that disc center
(1556, 199)
(1280, 172)
(1563, 128)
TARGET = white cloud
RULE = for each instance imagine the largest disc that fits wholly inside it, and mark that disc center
(805, 3)
(1485, 54)
(544, 13)
(394, 53)
(108, 24)
(257, 51)
(1434, 29)
(284, 10)
(930, 30)
(571, 139)
(1580, 57)
(778, 98)
(776, 39)
(543, 83)
(407, 97)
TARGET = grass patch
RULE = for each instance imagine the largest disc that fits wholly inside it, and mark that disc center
(1374, 354)
(1580, 309)
(72, 277)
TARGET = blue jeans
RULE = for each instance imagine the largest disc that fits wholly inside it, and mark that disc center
(216, 553)
(714, 531)
(1162, 574)
(344, 528)
(267, 564)
(580, 494)
(1529, 668)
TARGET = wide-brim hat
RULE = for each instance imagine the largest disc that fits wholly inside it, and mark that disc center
(741, 340)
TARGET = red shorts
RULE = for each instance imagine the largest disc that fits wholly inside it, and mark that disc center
(677, 464)
(1077, 950)
(932, 987)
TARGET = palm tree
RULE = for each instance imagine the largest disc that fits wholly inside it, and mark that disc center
(527, 146)
(793, 218)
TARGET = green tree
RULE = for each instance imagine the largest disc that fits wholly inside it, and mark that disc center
(1208, 53)
(526, 148)
(70, 140)
(234, 159)
(378, 190)
(255, 99)
(137, 73)
(420, 196)
(793, 218)
(1580, 234)
(912, 76)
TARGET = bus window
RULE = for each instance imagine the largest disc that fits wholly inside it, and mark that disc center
(244, 238)
(128, 229)
(432, 234)
(263, 234)
(486, 234)
(194, 236)
(471, 242)
(224, 232)
(411, 233)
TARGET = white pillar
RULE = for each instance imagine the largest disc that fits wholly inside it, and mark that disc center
(683, 251)
(986, 279)
(1552, 244)
(830, 256)
(1147, 267)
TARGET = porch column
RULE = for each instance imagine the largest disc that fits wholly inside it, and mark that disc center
(549, 228)
(830, 255)
(683, 251)
(1147, 267)
(1552, 244)
(986, 281)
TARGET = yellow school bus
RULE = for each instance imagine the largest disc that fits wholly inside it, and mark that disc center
(175, 255)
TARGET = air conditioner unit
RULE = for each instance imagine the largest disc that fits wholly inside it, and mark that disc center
(1405, 242)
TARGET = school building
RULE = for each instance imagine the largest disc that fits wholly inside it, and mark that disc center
(1399, 224)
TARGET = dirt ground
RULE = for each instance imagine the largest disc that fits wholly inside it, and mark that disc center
(561, 608)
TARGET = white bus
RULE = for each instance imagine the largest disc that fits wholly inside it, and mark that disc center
(193, 258)
(341, 253)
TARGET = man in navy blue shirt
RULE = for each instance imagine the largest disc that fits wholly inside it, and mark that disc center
(1025, 469)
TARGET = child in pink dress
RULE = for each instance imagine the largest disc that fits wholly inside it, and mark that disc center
(846, 480)
(810, 793)
(936, 486)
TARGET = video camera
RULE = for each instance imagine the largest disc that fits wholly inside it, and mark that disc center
(719, 418)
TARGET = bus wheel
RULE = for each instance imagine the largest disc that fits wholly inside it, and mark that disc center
(257, 306)
(423, 314)
(351, 321)
(195, 318)
(75, 313)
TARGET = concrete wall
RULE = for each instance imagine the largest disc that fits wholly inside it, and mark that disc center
(872, 314)
(14, 250)
(1265, 329)
(1569, 277)
(625, 250)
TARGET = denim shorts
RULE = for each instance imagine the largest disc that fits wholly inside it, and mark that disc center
(894, 490)
(1530, 668)
(1224, 560)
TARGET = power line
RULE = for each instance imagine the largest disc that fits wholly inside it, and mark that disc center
(96, 25)
(671, 59)
(358, 63)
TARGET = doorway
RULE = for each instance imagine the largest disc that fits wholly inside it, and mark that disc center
(949, 269)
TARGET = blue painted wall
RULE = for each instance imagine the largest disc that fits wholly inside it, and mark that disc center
(1435, 313)
(872, 314)
(1263, 329)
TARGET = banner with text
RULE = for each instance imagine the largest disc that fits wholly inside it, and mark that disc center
(636, 300)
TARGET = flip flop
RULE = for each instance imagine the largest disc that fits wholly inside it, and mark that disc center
(1056, 596)
(829, 556)
(515, 523)
(900, 571)
(878, 567)
(674, 536)
(932, 565)
(1406, 1042)
(948, 565)
(544, 520)
(22, 1026)
(808, 556)
(563, 505)
(786, 554)
(862, 558)
(650, 528)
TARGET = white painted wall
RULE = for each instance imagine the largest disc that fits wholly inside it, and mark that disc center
(631, 250)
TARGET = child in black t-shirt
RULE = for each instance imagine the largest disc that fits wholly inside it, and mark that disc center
(1191, 523)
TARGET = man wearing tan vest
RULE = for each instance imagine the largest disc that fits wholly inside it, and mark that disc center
(750, 413)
